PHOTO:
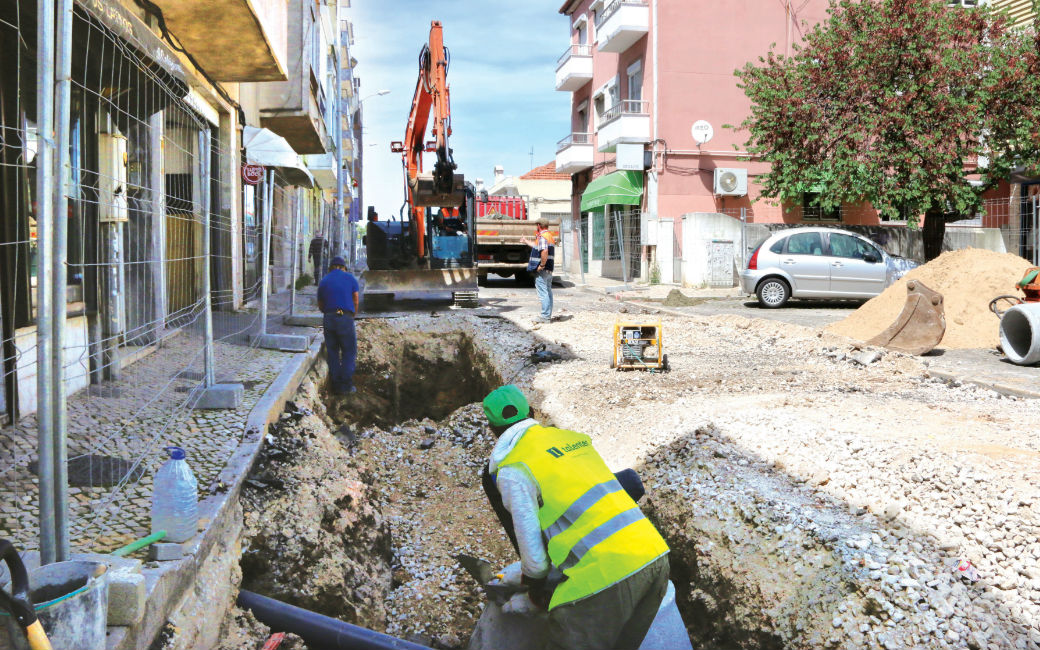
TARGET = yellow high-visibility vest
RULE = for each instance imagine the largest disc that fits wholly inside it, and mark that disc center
(594, 532)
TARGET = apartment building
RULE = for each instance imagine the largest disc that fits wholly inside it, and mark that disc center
(652, 87)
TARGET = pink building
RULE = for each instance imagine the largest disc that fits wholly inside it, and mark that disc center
(650, 79)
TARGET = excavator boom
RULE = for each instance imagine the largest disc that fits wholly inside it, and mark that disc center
(443, 187)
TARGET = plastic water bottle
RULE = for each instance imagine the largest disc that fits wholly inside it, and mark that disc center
(175, 499)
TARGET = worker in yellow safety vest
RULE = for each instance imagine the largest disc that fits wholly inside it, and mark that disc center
(588, 555)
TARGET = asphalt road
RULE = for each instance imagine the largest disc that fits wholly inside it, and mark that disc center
(796, 312)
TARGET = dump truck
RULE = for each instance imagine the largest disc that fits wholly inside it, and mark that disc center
(501, 223)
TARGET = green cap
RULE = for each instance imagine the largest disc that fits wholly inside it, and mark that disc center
(497, 402)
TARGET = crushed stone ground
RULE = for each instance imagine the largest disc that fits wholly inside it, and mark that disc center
(814, 496)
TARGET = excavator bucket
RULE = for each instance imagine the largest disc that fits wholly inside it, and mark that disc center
(920, 326)
(425, 193)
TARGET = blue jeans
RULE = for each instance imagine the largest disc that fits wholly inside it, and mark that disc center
(341, 350)
(543, 285)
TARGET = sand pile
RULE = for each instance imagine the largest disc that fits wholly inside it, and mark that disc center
(968, 279)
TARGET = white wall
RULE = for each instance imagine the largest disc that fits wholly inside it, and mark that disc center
(699, 229)
(77, 362)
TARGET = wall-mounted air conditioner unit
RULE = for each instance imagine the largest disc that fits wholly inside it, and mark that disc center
(730, 182)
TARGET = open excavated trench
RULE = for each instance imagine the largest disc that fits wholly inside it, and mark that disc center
(359, 503)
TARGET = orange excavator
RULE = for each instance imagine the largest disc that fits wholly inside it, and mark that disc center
(431, 248)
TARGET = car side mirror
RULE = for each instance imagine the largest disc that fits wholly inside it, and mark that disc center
(872, 256)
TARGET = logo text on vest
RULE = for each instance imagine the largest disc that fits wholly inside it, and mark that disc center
(556, 453)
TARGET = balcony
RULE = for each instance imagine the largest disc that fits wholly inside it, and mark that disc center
(621, 24)
(295, 109)
(323, 168)
(233, 40)
(628, 121)
(574, 153)
(574, 68)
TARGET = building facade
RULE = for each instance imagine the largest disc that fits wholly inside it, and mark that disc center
(168, 105)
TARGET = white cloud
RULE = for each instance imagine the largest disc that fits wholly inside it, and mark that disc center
(503, 57)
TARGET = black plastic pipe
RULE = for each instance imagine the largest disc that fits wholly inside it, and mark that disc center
(316, 630)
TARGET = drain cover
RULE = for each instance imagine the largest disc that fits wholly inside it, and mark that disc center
(93, 470)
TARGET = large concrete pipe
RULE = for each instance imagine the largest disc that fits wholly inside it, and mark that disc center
(1020, 334)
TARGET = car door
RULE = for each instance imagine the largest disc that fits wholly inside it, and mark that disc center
(805, 262)
(854, 273)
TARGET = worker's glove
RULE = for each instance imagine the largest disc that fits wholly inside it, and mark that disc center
(521, 604)
(511, 575)
(538, 591)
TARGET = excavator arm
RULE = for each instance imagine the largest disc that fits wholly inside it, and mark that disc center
(442, 188)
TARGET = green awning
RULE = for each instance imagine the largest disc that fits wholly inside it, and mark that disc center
(616, 188)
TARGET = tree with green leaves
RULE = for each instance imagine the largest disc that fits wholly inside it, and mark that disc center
(900, 103)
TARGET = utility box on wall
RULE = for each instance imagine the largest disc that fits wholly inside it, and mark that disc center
(112, 159)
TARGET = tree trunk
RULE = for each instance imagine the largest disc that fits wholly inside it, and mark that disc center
(932, 233)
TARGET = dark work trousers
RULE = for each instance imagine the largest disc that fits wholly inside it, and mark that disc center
(341, 349)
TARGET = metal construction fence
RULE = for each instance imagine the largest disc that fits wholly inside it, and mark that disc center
(121, 264)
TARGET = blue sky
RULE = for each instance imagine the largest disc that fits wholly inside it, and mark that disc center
(503, 61)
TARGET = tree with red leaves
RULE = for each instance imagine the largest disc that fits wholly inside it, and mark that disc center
(899, 103)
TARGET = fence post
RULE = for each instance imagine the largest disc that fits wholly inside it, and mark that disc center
(207, 279)
(621, 245)
(581, 255)
(45, 281)
(295, 252)
(62, 174)
(266, 257)
(743, 239)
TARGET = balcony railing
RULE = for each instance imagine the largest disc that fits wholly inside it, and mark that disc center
(625, 107)
(574, 139)
(613, 7)
(573, 50)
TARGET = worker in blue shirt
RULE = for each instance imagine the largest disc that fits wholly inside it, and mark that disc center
(338, 300)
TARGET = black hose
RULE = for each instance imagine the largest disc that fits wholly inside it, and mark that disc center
(316, 630)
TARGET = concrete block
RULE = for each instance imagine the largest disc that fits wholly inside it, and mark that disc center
(165, 551)
(300, 320)
(287, 342)
(126, 597)
(221, 396)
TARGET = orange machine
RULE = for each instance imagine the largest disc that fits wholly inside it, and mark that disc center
(442, 188)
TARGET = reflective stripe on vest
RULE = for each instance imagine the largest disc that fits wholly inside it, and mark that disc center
(593, 530)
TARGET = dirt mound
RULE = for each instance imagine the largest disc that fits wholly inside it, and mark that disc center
(676, 298)
(315, 536)
(968, 279)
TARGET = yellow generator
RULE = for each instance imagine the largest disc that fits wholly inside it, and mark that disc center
(639, 346)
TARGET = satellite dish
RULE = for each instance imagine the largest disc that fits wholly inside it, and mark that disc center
(702, 132)
(728, 181)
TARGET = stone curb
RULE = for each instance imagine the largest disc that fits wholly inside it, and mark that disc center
(1003, 389)
(168, 584)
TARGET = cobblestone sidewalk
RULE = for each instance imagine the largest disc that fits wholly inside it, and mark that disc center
(117, 431)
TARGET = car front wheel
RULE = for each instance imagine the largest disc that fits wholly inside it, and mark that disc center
(773, 293)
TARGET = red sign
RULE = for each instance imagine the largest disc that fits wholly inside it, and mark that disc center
(252, 174)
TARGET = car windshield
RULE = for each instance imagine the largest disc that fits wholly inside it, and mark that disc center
(805, 243)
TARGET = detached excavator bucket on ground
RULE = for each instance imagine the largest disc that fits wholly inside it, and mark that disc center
(425, 192)
(920, 326)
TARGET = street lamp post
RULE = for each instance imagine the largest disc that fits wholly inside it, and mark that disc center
(353, 226)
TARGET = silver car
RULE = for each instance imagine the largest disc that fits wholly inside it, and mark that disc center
(819, 263)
